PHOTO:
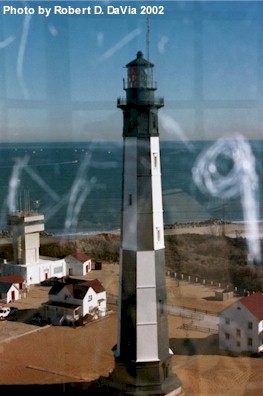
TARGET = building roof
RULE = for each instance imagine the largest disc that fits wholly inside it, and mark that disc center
(12, 279)
(77, 291)
(56, 287)
(140, 61)
(96, 285)
(61, 304)
(254, 303)
(78, 288)
(4, 287)
(80, 256)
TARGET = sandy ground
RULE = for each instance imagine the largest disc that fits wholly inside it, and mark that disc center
(53, 355)
(232, 230)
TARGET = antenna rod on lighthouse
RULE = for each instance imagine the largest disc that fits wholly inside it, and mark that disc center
(148, 38)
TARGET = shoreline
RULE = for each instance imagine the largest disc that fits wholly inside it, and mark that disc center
(228, 229)
(216, 227)
(213, 228)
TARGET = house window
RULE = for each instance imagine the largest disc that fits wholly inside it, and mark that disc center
(130, 199)
(227, 321)
(238, 332)
(250, 325)
(58, 270)
(249, 341)
(66, 297)
(90, 298)
(238, 343)
(227, 336)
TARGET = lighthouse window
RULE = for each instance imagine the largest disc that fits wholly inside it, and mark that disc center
(132, 77)
(130, 199)
(142, 77)
(153, 120)
(161, 306)
(158, 234)
(155, 160)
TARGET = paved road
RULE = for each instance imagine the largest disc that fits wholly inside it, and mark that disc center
(10, 330)
(198, 318)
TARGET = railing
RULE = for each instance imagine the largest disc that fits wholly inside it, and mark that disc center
(112, 299)
(178, 276)
(159, 101)
(191, 326)
(188, 312)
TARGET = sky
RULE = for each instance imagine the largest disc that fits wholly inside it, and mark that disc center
(61, 75)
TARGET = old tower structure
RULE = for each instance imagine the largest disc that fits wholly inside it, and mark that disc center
(25, 228)
(142, 354)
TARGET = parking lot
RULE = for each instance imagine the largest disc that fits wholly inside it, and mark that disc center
(19, 324)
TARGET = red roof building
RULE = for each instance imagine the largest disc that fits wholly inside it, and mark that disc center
(72, 299)
(241, 325)
(78, 263)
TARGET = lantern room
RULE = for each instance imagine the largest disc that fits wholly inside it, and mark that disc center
(140, 73)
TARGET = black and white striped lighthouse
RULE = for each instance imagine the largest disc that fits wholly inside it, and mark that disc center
(142, 354)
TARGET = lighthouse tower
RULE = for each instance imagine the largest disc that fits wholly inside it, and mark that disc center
(142, 354)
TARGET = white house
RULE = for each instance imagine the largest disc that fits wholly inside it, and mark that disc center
(241, 325)
(78, 264)
(71, 299)
(12, 288)
(8, 292)
(34, 273)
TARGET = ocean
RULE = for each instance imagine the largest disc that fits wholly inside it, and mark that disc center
(77, 186)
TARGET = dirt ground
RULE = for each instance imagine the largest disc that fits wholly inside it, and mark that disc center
(54, 355)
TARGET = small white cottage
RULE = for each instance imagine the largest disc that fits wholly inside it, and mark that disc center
(12, 288)
(78, 264)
